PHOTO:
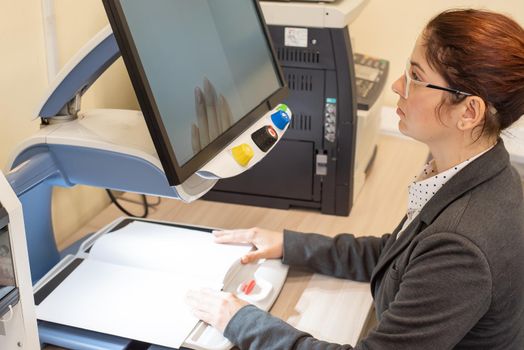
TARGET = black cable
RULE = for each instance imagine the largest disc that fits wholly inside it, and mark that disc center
(151, 205)
(144, 200)
(156, 204)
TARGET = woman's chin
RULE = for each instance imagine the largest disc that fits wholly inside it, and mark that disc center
(403, 129)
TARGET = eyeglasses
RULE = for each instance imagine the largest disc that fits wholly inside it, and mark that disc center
(409, 80)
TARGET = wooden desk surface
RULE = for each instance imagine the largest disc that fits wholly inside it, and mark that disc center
(311, 302)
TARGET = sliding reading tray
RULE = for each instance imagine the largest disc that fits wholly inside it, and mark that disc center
(267, 278)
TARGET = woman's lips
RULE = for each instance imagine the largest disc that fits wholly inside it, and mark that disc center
(400, 112)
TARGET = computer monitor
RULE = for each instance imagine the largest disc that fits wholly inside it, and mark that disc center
(203, 72)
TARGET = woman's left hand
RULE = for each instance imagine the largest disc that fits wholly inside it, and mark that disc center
(214, 308)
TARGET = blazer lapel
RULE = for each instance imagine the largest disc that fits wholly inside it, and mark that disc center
(480, 170)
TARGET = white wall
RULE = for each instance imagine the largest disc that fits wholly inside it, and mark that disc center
(77, 22)
(22, 71)
(388, 28)
(23, 81)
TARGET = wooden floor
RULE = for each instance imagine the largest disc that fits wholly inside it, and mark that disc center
(307, 298)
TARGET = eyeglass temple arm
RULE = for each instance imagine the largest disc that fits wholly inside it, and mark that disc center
(448, 90)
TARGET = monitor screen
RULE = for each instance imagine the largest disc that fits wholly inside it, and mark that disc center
(7, 275)
(203, 71)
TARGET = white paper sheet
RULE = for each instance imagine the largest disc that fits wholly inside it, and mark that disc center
(134, 283)
(167, 248)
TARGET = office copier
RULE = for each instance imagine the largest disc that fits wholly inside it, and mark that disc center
(335, 94)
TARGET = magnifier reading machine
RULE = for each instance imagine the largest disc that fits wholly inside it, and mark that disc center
(209, 89)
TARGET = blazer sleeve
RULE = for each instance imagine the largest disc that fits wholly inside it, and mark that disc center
(343, 256)
(443, 293)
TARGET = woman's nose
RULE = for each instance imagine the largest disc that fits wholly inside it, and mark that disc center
(398, 86)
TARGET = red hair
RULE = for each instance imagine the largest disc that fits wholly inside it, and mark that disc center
(482, 53)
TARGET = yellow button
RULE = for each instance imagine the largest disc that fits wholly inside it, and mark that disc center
(243, 153)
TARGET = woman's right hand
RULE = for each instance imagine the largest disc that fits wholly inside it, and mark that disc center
(269, 244)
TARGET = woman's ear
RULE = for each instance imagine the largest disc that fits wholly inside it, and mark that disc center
(473, 110)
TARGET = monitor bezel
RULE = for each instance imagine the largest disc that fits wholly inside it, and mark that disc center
(176, 173)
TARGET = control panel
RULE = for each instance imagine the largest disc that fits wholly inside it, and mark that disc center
(264, 138)
(330, 119)
(9, 295)
(250, 147)
(17, 314)
(371, 74)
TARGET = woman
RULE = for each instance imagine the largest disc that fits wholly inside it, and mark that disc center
(451, 275)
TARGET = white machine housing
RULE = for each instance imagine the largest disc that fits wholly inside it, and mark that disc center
(18, 327)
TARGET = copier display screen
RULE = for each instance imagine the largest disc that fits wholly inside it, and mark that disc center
(7, 277)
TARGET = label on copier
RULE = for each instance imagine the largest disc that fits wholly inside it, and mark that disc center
(295, 37)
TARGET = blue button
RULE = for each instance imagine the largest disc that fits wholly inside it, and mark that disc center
(280, 119)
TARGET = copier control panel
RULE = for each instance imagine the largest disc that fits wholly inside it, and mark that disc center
(371, 74)
(8, 290)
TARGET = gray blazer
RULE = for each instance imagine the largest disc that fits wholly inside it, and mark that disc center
(453, 280)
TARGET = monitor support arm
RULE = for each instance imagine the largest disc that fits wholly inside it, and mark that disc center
(74, 79)
(106, 148)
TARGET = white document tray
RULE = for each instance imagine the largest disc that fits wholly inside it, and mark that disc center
(269, 276)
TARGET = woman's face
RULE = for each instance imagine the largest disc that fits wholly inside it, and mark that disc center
(419, 113)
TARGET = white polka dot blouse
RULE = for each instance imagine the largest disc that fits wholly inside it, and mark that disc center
(426, 184)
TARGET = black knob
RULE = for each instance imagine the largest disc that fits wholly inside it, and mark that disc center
(265, 137)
